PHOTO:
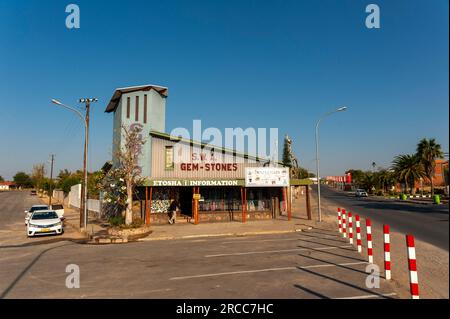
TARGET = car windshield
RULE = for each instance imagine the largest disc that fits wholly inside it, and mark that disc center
(35, 208)
(44, 215)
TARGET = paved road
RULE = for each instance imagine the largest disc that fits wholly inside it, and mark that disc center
(313, 264)
(428, 223)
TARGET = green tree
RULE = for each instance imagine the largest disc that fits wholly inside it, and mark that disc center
(23, 180)
(427, 152)
(1, 179)
(384, 179)
(408, 168)
(68, 182)
(369, 182)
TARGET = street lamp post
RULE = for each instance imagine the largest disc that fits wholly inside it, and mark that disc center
(319, 211)
(85, 119)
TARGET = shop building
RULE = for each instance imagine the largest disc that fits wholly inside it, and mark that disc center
(210, 183)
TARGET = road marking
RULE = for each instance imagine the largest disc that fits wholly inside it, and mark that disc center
(369, 296)
(233, 273)
(277, 251)
(261, 270)
(334, 265)
(240, 240)
(257, 241)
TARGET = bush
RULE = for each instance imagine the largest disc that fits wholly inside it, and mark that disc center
(439, 191)
(380, 193)
(117, 220)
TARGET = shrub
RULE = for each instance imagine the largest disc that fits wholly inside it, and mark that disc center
(117, 220)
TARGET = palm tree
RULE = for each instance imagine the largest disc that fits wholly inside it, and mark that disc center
(384, 178)
(428, 151)
(369, 182)
(408, 168)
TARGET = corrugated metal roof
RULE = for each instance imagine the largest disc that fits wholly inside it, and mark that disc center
(112, 105)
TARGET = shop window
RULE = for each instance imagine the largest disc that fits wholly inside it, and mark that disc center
(169, 163)
(145, 108)
(136, 113)
(128, 107)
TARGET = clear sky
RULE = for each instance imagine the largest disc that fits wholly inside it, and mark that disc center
(238, 63)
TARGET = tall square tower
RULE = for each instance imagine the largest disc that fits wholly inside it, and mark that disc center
(144, 106)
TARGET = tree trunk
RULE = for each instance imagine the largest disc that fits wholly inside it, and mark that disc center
(406, 185)
(129, 209)
(432, 185)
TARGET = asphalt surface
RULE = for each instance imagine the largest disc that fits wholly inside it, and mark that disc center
(427, 222)
(312, 264)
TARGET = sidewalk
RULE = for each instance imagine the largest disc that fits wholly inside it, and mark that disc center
(185, 231)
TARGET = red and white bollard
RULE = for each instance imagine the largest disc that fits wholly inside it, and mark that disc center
(412, 265)
(387, 252)
(350, 227)
(339, 220)
(369, 240)
(358, 234)
(344, 224)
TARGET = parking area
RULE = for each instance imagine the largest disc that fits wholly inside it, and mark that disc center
(13, 204)
(310, 264)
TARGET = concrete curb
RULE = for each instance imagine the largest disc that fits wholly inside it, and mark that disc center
(268, 232)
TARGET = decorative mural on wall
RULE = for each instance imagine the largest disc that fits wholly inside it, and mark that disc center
(161, 200)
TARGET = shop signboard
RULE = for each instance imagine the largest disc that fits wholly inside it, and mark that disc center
(193, 182)
(266, 177)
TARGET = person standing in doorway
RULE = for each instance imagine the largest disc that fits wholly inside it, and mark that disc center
(174, 206)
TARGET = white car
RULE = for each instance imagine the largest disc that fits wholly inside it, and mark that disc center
(361, 193)
(58, 208)
(44, 222)
(33, 209)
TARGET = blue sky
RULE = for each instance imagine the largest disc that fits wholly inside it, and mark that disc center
(243, 63)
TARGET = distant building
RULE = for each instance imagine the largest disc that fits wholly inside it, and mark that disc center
(6, 186)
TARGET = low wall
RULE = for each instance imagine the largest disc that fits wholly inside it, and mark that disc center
(232, 216)
(208, 217)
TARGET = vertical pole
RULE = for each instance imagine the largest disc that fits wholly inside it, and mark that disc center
(344, 224)
(308, 203)
(369, 240)
(146, 206)
(412, 266)
(339, 220)
(387, 252)
(86, 148)
(196, 217)
(289, 206)
(245, 206)
(319, 211)
(51, 182)
(150, 206)
(350, 227)
(358, 234)
(242, 203)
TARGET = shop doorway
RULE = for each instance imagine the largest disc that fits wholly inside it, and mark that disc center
(186, 200)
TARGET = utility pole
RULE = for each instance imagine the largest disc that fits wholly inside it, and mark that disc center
(84, 191)
(51, 181)
(85, 119)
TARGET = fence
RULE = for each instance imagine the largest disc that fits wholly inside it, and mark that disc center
(73, 199)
